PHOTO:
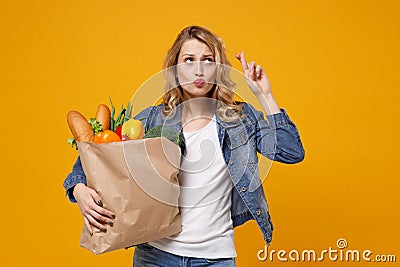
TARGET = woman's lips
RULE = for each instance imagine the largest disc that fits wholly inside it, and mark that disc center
(199, 82)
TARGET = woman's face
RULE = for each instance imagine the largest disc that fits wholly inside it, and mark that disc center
(196, 69)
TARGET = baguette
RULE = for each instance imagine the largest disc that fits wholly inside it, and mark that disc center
(80, 127)
(103, 115)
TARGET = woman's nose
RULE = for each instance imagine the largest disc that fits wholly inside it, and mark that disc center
(199, 68)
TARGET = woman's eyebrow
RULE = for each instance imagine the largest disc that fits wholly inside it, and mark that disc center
(204, 55)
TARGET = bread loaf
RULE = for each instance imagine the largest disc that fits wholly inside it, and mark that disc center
(103, 115)
(80, 127)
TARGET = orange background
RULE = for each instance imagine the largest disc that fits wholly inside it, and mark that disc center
(333, 66)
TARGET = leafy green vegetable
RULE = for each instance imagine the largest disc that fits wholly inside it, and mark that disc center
(112, 121)
(167, 132)
(120, 117)
(72, 142)
(96, 125)
(128, 114)
(123, 115)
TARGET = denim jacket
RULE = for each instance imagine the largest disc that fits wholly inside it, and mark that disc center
(276, 138)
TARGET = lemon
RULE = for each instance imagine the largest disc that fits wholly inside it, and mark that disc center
(133, 129)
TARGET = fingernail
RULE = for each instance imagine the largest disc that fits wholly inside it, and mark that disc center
(104, 230)
(110, 223)
(100, 203)
(113, 216)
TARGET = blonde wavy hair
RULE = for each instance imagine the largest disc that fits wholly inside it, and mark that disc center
(223, 90)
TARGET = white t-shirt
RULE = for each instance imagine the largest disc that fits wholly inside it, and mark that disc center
(205, 200)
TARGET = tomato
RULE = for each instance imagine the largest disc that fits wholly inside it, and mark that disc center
(125, 138)
(118, 131)
(97, 138)
(109, 136)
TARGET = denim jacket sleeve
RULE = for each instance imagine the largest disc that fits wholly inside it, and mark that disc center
(78, 175)
(277, 138)
(75, 177)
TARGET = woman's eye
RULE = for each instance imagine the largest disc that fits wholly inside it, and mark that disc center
(191, 60)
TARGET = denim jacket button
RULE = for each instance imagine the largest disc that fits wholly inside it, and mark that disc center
(258, 212)
(244, 189)
(230, 162)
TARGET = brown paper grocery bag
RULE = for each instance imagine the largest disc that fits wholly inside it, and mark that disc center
(137, 180)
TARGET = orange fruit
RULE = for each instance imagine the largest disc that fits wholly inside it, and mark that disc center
(109, 136)
(133, 129)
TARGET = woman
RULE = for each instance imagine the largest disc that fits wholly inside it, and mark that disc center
(222, 138)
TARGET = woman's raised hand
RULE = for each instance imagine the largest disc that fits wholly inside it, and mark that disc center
(255, 76)
(91, 208)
